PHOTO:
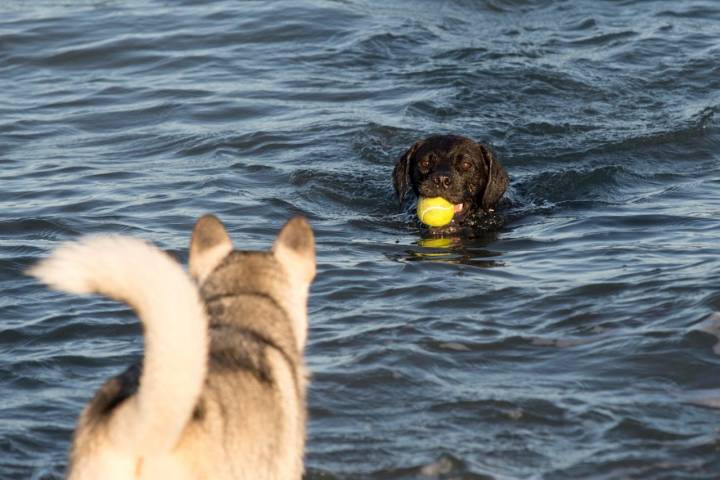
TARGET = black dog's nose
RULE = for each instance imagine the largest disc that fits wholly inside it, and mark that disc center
(442, 181)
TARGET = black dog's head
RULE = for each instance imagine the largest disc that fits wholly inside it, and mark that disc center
(463, 172)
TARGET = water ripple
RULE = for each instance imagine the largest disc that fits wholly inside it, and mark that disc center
(575, 342)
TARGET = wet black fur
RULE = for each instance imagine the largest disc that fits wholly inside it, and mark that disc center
(455, 168)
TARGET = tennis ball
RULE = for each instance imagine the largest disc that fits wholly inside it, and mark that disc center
(435, 212)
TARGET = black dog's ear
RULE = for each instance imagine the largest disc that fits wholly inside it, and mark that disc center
(497, 180)
(401, 172)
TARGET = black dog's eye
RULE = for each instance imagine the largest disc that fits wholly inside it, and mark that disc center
(425, 163)
(465, 164)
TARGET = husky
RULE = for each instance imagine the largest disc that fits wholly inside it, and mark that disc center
(220, 393)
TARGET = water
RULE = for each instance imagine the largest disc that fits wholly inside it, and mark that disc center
(579, 341)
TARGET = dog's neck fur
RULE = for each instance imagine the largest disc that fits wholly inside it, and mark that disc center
(244, 283)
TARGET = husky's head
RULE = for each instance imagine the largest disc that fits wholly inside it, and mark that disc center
(283, 273)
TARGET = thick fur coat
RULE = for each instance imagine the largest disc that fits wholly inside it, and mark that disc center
(220, 393)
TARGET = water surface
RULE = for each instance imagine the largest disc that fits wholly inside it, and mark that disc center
(579, 341)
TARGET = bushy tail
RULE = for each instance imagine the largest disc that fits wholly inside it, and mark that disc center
(175, 325)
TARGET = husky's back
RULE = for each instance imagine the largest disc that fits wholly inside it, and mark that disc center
(221, 391)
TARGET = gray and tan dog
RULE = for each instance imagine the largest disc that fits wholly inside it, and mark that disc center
(221, 390)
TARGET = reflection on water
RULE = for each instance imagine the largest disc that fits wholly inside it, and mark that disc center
(456, 250)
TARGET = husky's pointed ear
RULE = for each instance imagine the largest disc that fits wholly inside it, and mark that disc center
(295, 248)
(401, 172)
(496, 182)
(209, 244)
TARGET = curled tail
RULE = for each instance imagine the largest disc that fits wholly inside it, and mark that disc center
(174, 321)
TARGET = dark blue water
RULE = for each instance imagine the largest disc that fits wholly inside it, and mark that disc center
(577, 342)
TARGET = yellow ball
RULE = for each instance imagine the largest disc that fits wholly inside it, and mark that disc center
(435, 212)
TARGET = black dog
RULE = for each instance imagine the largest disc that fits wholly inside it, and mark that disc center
(463, 172)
